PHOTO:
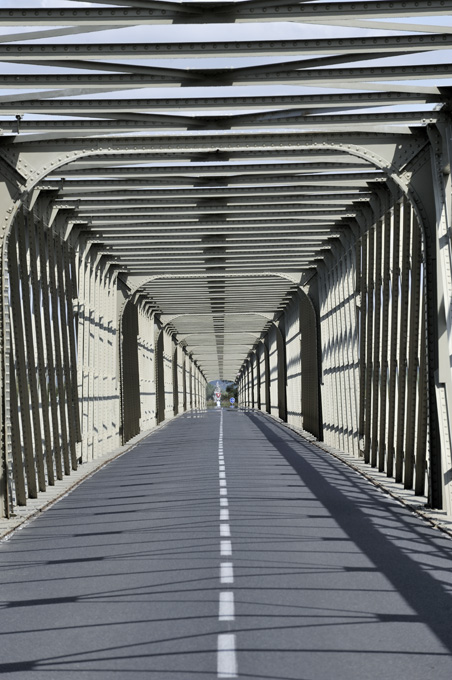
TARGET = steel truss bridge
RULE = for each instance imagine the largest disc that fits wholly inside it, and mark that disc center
(281, 219)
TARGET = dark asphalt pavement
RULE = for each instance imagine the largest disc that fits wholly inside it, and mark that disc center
(224, 546)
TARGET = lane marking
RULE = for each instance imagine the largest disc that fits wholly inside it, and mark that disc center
(226, 548)
(225, 530)
(227, 572)
(226, 652)
(226, 656)
(226, 606)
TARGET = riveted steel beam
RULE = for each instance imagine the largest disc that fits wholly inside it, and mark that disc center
(403, 341)
(160, 77)
(161, 122)
(234, 49)
(394, 336)
(386, 282)
(20, 374)
(231, 194)
(354, 179)
(167, 12)
(312, 104)
(223, 169)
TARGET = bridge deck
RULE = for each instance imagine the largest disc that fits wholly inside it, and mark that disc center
(280, 563)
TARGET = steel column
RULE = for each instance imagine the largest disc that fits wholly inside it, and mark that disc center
(403, 342)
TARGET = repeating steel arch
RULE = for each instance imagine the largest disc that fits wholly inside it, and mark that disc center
(272, 208)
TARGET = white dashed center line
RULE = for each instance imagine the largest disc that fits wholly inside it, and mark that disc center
(226, 654)
(226, 606)
(227, 572)
(227, 660)
(225, 530)
(226, 548)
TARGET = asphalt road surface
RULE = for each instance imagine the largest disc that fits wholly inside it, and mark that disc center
(224, 546)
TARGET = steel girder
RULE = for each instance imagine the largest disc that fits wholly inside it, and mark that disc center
(289, 167)
(216, 201)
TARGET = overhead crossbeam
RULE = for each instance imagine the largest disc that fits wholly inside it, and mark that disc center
(266, 166)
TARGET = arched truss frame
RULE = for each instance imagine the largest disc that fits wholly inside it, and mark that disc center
(373, 155)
